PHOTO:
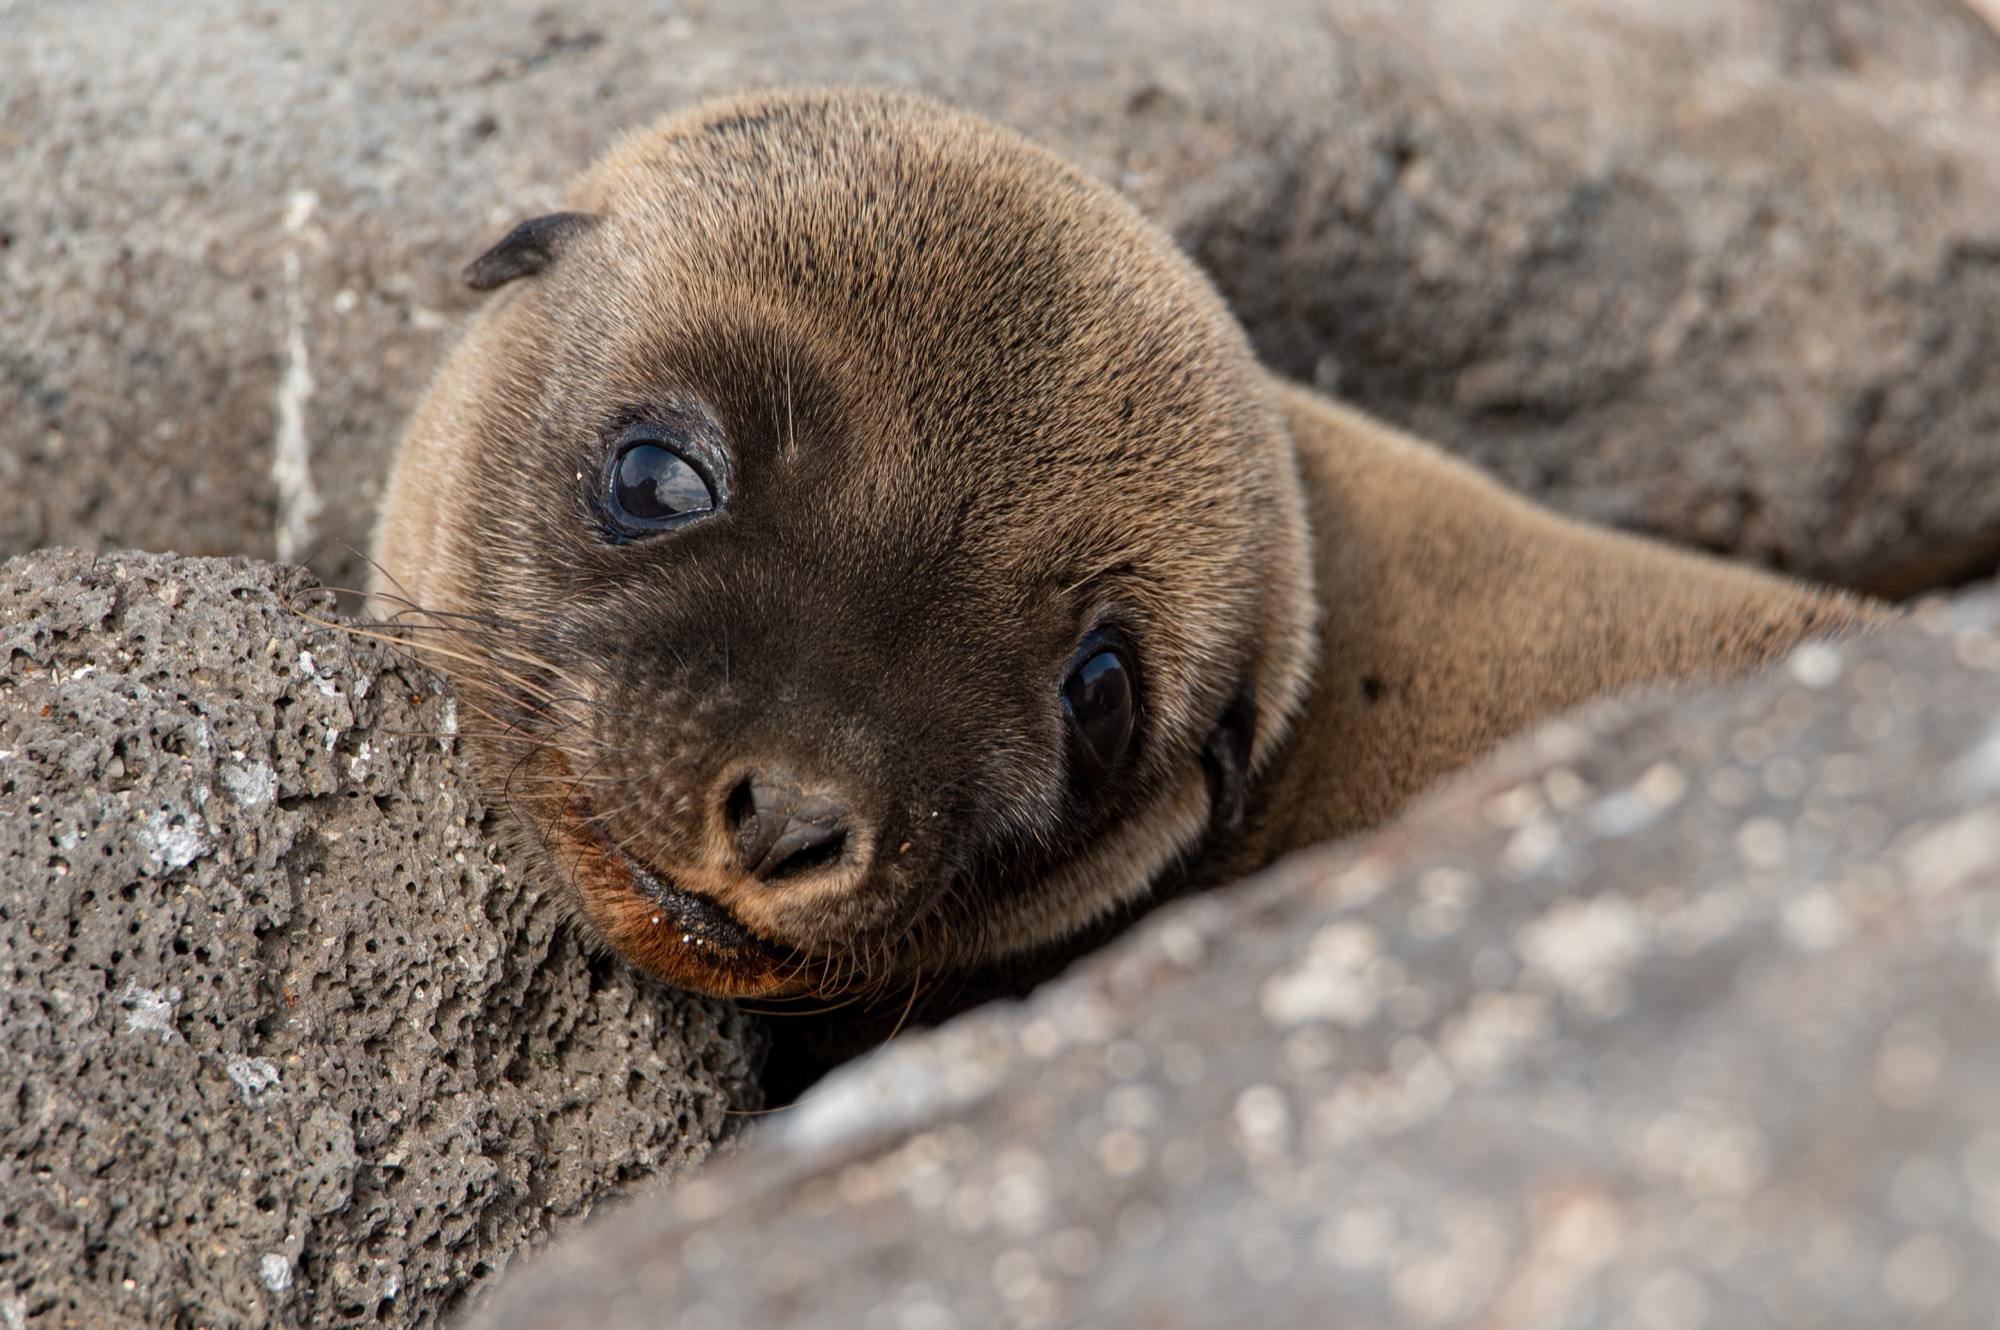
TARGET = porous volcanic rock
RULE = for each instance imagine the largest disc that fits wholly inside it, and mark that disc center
(1682, 1012)
(280, 1044)
(1725, 270)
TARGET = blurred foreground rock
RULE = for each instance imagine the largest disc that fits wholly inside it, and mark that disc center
(280, 1045)
(1682, 1013)
(1726, 270)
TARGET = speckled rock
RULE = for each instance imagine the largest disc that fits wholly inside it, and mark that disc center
(280, 1045)
(1726, 270)
(1681, 1013)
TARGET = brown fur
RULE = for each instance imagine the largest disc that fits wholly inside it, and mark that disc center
(1456, 613)
(974, 404)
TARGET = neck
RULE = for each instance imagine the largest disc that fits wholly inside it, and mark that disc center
(1454, 613)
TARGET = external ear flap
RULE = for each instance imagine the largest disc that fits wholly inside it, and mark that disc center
(528, 248)
(1226, 760)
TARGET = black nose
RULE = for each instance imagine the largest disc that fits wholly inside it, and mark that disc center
(784, 830)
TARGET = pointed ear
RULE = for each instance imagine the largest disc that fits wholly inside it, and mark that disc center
(1225, 758)
(527, 249)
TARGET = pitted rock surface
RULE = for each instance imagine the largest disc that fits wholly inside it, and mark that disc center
(280, 1044)
(1724, 270)
(1682, 1012)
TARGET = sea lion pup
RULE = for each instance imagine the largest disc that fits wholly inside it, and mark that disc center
(869, 549)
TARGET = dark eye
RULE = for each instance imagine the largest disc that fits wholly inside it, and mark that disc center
(652, 487)
(1099, 697)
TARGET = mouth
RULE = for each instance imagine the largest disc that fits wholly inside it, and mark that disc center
(686, 940)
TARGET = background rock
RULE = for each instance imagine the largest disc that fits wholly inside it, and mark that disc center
(1682, 1013)
(1726, 270)
(280, 1045)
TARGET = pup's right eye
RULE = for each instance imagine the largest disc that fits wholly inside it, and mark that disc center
(654, 488)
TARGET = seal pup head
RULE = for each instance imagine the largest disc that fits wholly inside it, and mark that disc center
(869, 547)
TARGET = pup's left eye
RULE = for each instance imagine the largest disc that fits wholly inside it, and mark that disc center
(1102, 705)
(653, 487)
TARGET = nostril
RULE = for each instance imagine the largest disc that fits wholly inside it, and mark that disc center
(782, 831)
(741, 809)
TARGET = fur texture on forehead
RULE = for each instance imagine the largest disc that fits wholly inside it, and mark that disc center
(1034, 415)
(1015, 338)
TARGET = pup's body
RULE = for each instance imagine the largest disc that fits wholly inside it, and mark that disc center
(1455, 613)
(871, 551)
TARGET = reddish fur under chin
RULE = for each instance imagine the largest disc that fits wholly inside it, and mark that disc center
(669, 933)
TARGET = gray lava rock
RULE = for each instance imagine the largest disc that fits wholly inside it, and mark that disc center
(1727, 270)
(280, 1044)
(1682, 1012)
